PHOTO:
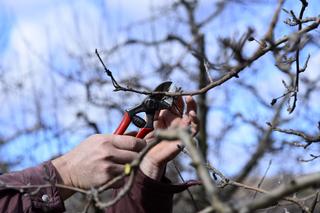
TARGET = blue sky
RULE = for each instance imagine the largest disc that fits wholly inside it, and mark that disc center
(33, 31)
(6, 25)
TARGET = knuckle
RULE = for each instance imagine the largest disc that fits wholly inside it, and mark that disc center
(134, 145)
(108, 168)
(109, 154)
(139, 144)
(111, 169)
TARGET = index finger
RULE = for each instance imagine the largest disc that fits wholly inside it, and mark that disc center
(127, 142)
(191, 104)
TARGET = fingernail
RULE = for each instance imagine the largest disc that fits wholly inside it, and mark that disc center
(192, 113)
(188, 98)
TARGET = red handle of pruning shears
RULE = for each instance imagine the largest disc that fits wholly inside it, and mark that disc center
(143, 132)
(126, 120)
(149, 106)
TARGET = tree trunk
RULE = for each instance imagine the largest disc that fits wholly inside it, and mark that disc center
(202, 98)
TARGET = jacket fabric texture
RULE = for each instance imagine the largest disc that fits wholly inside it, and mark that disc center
(146, 195)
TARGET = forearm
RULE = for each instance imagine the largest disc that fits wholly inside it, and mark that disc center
(155, 172)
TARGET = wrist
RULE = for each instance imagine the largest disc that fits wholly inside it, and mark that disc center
(63, 177)
(152, 170)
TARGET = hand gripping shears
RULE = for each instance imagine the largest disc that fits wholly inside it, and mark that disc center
(150, 105)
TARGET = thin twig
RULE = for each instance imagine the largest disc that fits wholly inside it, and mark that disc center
(296, 85)
(262, 179)
(307, 138)
(188, 190)
(280, 192)
(313, 157)
(233, 71)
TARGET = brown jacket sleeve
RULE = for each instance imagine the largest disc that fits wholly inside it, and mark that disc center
(30, 200)
(145, 196)
(149, 196)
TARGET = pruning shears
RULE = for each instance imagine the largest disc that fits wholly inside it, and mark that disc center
(150, 105)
